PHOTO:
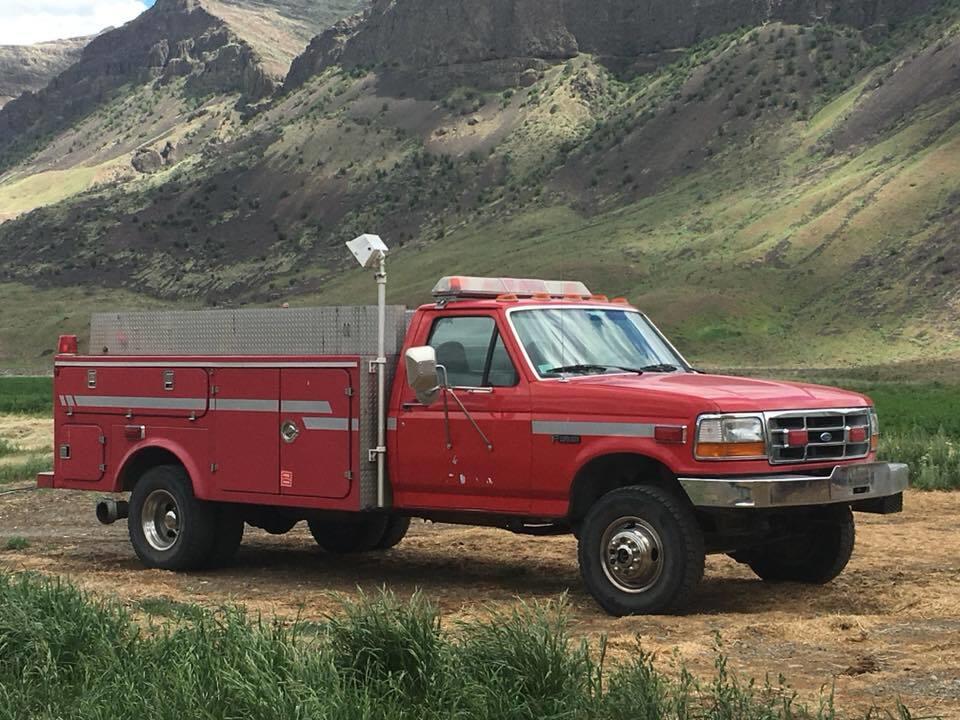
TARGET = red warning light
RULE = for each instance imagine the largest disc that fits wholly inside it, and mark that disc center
(67, 345)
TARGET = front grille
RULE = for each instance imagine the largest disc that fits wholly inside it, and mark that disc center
(817, 436)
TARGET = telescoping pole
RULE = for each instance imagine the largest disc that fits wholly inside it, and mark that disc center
(381, 380)
(371, 252)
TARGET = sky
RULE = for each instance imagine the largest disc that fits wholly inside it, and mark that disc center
(24, 22)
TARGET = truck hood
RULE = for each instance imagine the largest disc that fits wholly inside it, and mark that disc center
(675, 392)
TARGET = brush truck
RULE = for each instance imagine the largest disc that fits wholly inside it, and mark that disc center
(528, 405)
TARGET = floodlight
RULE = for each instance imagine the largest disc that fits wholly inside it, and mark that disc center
(368, 250)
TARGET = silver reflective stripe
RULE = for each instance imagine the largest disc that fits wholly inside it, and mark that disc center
(63, 400)
(204, 364)
(150, 403)
(315, 423)
(244, 405)
(607, 429)
(305, 406)
(391, 423)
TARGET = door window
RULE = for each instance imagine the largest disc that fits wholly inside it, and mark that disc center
(472, 351)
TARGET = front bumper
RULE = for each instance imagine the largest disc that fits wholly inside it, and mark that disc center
(846, 484)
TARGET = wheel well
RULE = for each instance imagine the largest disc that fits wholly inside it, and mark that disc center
(143, 461)
(609, 472)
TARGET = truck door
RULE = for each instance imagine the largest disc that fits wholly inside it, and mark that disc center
(317, 425)
(447, 463)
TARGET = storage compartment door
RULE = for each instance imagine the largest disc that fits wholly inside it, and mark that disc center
(80, 453)
(245, 429)
(317, 427)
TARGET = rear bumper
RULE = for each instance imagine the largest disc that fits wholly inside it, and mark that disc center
(45, 480)
(846, 484)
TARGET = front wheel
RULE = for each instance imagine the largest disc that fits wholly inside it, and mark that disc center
(818, 552)
(640, 551)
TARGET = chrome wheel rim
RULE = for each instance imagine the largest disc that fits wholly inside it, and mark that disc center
(160, 520)
(631, 554)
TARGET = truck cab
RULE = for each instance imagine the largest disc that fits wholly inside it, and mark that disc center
(531, 405)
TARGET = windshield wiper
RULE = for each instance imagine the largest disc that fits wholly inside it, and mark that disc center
(584, 368)
(661, 368)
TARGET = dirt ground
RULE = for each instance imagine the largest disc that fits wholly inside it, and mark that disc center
(888, 628)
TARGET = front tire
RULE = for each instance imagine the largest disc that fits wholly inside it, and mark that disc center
(640, 551)
(169, 528)
(819, 552)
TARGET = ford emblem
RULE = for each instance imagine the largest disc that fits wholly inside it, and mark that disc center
(826, 437)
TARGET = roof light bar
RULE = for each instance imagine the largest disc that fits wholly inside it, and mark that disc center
(460, 286)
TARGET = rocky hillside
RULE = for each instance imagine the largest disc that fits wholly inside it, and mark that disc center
(503, 37)
(783, 192)
(31, 67)
(216, 47)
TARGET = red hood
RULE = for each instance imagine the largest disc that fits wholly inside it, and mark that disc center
(674, 393)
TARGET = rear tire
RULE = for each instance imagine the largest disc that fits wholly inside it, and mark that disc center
(228, 537)
(169, 528)
(397, 527)
(640, 551)
(342, 533)
(816, 556)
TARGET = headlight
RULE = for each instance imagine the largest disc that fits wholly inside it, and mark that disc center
(874, 430)
(729, 438)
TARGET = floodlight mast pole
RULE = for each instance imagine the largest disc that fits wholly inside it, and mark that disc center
(381, 276)
(371, 252)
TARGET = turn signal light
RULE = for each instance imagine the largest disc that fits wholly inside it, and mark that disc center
(67, 345)
(731, 450)
(857, 435)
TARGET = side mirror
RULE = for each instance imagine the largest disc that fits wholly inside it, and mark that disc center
(422, 374)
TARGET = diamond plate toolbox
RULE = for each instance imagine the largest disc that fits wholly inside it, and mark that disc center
(342, 330)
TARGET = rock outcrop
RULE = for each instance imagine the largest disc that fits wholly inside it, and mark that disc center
(26, 68)
(174, 38)
(425, 34)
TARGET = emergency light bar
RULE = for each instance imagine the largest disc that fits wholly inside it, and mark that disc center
(479, 287)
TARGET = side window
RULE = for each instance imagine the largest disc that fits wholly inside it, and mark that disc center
(472, 351)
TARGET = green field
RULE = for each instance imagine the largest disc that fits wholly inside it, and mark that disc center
(68, 655)
(29, 395)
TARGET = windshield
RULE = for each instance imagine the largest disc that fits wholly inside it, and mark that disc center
(562, 341)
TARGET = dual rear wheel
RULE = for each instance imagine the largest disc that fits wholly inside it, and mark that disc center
(171, 529)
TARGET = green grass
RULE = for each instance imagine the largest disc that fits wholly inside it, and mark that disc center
(17, 543)
(64, 654)
(33, 395)
(8, 448)
(26, 469)
(920, 425)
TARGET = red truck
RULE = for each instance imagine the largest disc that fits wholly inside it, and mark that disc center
(529, 405)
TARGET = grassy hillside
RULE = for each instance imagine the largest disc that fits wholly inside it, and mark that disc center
(784, 195)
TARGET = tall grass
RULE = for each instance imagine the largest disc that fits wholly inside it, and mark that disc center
(29, 395)
(8, 448)
(26, 469)
(920, 425)
(65, 655)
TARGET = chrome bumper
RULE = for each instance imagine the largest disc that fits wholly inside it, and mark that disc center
(846, 484)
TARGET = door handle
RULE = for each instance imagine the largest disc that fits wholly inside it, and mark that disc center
(411, 405)
(289, 431)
